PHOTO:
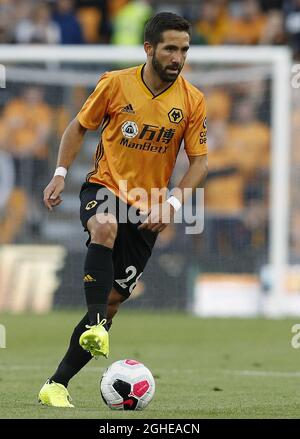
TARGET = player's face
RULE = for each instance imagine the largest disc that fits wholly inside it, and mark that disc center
(170, 54)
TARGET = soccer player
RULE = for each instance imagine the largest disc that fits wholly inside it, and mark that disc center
(144, 113)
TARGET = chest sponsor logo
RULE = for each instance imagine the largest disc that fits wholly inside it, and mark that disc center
(175, 115)
(129, 129)
(152, 138)
(157, 134)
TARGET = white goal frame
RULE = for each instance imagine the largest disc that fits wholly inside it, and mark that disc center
(281, 61)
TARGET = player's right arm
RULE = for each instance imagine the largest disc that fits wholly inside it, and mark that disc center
(70, 144)
(89, 118)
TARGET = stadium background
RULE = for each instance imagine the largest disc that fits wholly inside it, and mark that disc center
(35, 111)
(221, 367)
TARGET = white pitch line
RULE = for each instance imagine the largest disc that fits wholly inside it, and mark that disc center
(20, 367)
(254, 373)
(263, 373)
(9, 367)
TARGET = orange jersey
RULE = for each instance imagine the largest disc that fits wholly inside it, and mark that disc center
(141, 133)
(26, 121)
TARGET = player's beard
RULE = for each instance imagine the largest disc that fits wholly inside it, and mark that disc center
(162, 71)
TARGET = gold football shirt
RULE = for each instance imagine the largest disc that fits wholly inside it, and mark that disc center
(141, 133)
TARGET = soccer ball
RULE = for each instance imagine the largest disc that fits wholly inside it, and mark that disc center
(127, 385)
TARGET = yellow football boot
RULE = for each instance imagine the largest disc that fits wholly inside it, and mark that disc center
(55, 395)
(95, 340)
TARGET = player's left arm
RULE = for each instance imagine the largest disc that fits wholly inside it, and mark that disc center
(162, 214)
(194, 177)
(196, 148)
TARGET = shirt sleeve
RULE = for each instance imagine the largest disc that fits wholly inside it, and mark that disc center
(95, 107)
(195, 133)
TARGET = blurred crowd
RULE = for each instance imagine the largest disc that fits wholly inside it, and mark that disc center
(237, 188)
(122, 21)
(25, 129)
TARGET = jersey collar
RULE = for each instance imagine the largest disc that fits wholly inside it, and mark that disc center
(146, 89)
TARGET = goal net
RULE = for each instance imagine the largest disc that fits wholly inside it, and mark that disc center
(243, 263)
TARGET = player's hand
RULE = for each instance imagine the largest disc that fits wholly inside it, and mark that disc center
(158, 218)
(53, 191)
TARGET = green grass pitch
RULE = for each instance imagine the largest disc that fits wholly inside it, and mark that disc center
(204, 368)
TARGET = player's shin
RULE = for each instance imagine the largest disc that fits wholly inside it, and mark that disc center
(98, 280)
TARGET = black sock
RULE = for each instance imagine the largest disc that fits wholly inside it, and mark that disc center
(98, 281)
(75, 357)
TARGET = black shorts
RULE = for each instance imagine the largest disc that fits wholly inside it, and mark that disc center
(132, 247)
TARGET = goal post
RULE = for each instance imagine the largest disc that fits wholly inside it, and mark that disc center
(280, 61)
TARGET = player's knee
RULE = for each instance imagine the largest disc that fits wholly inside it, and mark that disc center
(114, 301)
(104, 233)
(112, 310)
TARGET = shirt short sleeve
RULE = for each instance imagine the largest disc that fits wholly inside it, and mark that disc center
(94, 109)
(195, 134)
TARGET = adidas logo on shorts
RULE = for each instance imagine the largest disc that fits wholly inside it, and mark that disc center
(89, 278)
(128, 109)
